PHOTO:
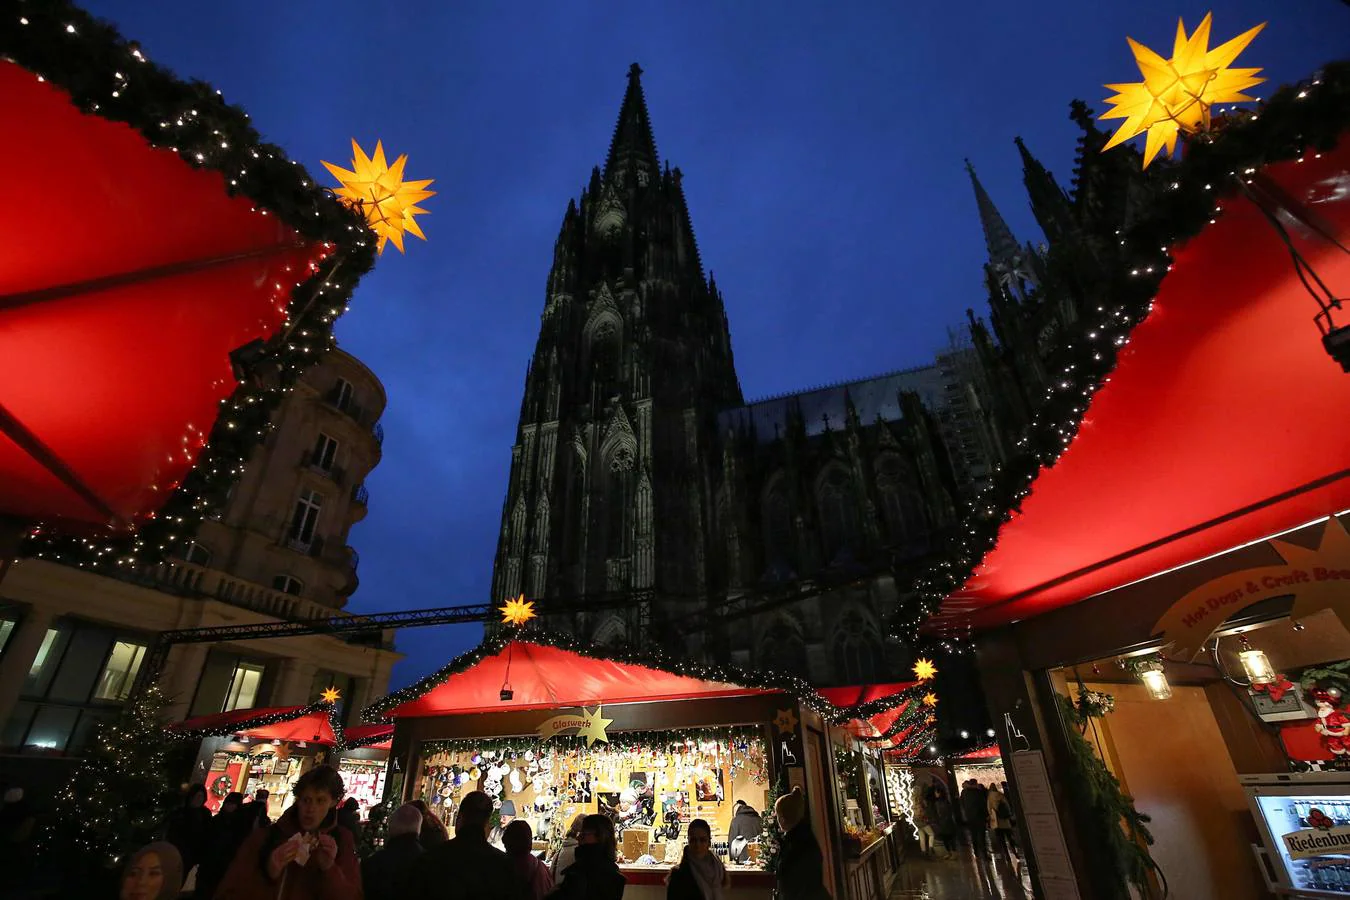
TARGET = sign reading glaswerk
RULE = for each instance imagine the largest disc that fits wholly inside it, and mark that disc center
(1309, 842)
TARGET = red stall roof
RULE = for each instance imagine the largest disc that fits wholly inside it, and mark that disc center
(1223, 423)
(311, 723)
(856, 695)
(542, 676)
(374, 737)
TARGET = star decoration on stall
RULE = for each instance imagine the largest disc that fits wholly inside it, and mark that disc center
(786, 721)
(930, 699)
(378, 190)
(594, 729)
(518, 611)
(1176, 94)
(331, 695)
(924, 669)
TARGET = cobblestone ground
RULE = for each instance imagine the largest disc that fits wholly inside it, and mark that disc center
(958, 878)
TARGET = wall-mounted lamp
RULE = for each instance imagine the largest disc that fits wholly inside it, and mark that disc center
(1151, 673)
(1255, 663)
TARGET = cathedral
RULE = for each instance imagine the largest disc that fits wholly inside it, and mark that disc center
(653, 504)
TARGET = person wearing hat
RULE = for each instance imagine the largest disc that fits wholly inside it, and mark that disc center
(801, 873)
(505, 814)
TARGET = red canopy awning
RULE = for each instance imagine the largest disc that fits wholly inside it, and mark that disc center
(858, 694)
(374, 737)
(1224, 421)
(542, 677)
(128, 278)
(312, 724)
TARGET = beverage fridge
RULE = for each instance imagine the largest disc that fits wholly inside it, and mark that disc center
(1304, 821)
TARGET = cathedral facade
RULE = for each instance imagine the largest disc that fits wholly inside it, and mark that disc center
(653, 504)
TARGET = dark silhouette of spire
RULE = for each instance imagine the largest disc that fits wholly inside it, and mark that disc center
(633, 141)
(998, 237)
(1049, 203)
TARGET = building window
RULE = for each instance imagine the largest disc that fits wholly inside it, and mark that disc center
(119, 672)
(287, 584)
(197, 554)
(306, 517)
(782, 650)
(856, 660)
(837, 505)
(44, 651)
(778, 528)
(342, 394)
(325, 453)
(244, 685)
(6, 629)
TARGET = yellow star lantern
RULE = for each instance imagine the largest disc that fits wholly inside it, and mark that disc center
(378, 190)
(1176, 93)
(332, 695)
(518, 611)
(924, 669)
(930, 699)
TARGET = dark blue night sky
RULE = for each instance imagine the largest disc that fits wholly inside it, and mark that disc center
(822, 150)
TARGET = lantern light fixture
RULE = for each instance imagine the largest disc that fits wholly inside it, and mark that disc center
(1255, 663)
(1151, 673)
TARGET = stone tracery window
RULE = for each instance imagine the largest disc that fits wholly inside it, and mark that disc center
(778, 545)
(836, 502)
(856, 650)
(901, 505)
(782, 650)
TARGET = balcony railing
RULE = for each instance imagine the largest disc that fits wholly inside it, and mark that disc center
(360, 495)
(192, 580)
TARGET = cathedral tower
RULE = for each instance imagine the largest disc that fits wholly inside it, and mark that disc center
(610, 484)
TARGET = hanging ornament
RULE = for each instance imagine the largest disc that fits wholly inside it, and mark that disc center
(1176, 94)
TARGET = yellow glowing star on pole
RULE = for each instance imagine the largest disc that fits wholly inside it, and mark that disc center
(924, 669)
(332, 695)
(518, 611)
(1176, 93)
(378, 190)
(594, 728)
(930, 699)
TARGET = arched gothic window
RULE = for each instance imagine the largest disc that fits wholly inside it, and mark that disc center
(605, 360)
(611, 633)
(782, 650)
(901, 506)
(838, 507)
(778, 544)
(619, 500)
(856, 650)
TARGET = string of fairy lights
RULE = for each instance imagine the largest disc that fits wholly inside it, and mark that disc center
(108, 76)
(1296, 122)
(268, 719)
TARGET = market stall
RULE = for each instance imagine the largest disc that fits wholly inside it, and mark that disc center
(364, 763)
(248, 750)
(553, 729)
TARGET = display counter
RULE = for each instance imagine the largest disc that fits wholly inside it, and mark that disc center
(649, 882)
(872, 871)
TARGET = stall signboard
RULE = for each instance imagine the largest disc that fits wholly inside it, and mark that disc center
(1307, 843)
(787, 739)
(1318, 579)
(587, 724)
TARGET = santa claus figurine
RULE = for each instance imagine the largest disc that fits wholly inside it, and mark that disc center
(1332, 723)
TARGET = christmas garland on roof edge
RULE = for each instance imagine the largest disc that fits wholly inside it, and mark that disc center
(108, 76)
(1297, 119)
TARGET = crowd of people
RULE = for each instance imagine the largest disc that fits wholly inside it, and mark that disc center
(979, 811)
(311, 852)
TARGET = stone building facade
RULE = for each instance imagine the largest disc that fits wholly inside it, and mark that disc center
(72, 641)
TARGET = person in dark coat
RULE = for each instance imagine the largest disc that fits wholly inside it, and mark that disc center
(349, 817)
(387, 873)
(801, 873)
(747, 826)
(941, 816)
(16, 834)
(595, 873)
(466, 867)
(186, 827)
(700, 874)
(433, 829)
(975, 812)
(225, 834)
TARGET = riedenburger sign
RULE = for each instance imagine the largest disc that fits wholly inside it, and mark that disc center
(1309, 842)
(1319, 579)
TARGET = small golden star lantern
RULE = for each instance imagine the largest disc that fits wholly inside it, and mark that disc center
(378, 190)
(786, 720)
(930, 699)
(1176, 94)
(518, 611)
(924, 669)
(332, 695)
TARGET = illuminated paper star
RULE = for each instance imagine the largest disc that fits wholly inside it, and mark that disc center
(594, 729)
(332, 695)
(786, 720)
(1176, 93)
(924, 669)
(930, 699)
(378, 190)
(518, 611)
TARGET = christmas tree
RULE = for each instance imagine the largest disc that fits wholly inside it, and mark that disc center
(114, 801)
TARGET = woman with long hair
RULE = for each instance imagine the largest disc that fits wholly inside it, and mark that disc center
(595, 874)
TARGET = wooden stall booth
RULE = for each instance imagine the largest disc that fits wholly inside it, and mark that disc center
(364, 763)
(553, 729)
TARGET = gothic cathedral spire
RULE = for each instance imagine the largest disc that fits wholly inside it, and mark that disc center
(998, 237)
(1049, 203)
(632, 365)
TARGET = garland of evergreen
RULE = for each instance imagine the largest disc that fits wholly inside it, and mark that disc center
(265, 719)
(1296, 120)
(109, 76)
(668, 739)
(1107, 816)
(1331, 675)
(771, 838)
(647, 657)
